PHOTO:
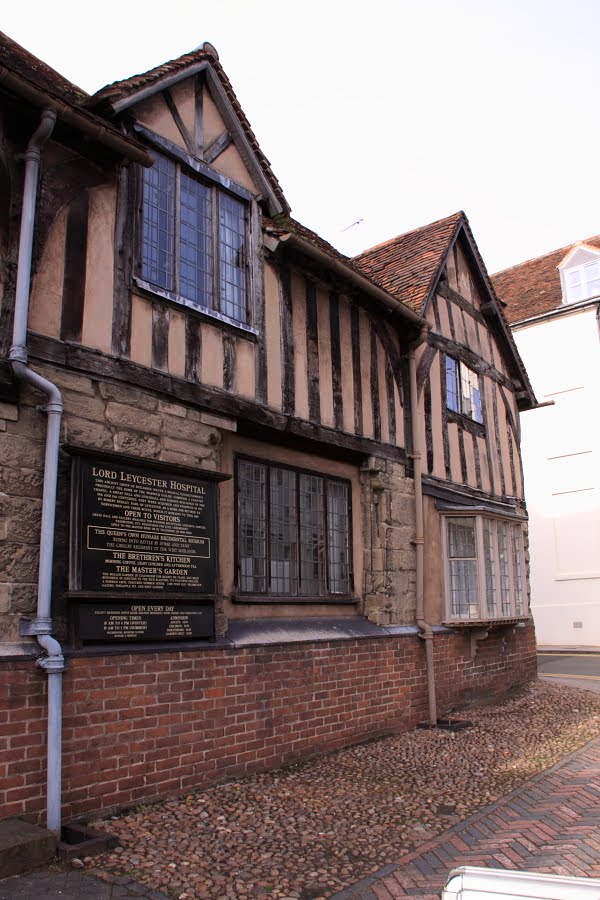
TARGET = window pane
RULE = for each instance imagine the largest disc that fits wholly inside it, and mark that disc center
(489, 534)
(232, 246)
(575, 290)
(463, 588)
(283, 532)
(312, 536)
(195, 242)
(474, 396)
(338, 536)
(592, 278)
(452, 395)
(252, 527)
(517, 549)
(461, 537)
(159, 223)
(504, 574)
(462, 568)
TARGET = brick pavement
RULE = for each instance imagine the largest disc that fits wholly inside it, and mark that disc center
(57, 883)
(551, 823)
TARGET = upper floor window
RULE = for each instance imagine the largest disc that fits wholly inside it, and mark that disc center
(194, 240)
(583, 281)
(463, 394)
(293, 532)
(580, 274)
(484, 568)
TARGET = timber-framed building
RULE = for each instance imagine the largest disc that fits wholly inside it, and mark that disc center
(289, 502)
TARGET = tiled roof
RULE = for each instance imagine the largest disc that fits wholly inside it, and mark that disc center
(281, 225)
(20, 61)
(533, 288)
(121, 90)
(407, 266)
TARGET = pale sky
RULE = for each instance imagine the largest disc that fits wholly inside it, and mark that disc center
(393, 113)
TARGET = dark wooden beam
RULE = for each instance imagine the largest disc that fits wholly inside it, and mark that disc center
(253, 419)
(312, 353)
(160, 337)
(336, 359)
(188, 140)
(75, 268)
(356, 368)
(448, 293)
(288, 387)
(217, 147)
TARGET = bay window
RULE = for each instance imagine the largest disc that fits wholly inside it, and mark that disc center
(484, 568)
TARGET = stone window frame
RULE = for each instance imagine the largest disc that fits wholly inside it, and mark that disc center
(271, 594)
(497, 569)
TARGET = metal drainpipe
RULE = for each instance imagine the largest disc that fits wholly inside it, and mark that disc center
(52, 661)
(426, 632)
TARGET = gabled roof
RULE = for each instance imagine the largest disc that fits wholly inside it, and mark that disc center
(116, 97)
(533, 287)
(408, 266)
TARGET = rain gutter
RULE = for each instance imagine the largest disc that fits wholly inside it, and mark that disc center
(85, 122)
(355, 278)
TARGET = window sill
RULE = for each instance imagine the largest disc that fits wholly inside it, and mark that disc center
(469, 424)
(485, 623)
(302, 601)
(207, 315)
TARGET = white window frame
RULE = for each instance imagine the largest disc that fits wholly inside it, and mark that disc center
(579, 262)
(584, 283)
(499, 569)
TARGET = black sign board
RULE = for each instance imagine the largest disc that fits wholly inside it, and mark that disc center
(143, 549)
(145, 621)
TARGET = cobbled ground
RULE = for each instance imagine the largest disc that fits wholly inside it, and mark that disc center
(308, 831)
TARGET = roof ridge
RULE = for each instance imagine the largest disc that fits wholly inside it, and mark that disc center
(526, 262)
(454, 216)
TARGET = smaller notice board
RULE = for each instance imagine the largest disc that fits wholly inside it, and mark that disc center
(143, 551)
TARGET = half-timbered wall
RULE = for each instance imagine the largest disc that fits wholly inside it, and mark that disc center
(478, 465)
(483, 457)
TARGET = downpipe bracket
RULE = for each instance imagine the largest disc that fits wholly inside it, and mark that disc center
(33, 627)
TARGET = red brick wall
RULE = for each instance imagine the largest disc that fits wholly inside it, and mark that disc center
(147, 725)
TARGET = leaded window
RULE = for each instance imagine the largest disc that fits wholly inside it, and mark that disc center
(293, 532)
(194, 241)
(463, 393)
(484, 568)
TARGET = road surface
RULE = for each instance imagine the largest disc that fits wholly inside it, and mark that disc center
(577, 669)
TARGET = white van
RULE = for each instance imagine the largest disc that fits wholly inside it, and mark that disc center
(474, 883)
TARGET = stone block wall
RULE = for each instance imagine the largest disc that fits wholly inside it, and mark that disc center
(97, 414)
(388, 505)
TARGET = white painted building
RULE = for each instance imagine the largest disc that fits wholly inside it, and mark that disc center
(553, 305)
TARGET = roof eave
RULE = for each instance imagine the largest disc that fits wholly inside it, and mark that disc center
(83, 121)
(361, 282)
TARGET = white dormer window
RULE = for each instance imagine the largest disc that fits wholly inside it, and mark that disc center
(580, 275)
